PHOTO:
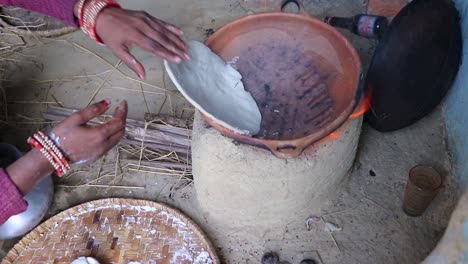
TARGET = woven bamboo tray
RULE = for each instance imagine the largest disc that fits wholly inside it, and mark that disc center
(116, 231)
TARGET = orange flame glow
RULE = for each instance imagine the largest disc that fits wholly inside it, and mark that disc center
(333, 135)
(364, 106)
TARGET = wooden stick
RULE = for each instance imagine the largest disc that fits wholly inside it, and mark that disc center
(102, 186)
(154, 136)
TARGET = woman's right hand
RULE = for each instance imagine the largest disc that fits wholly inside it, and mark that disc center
(122, 29)
(82, 143)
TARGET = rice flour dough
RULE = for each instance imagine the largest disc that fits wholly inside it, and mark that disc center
(85, 260)
(216, 89)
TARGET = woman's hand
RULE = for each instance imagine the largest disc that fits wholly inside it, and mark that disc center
(122, 29)
(82, 143)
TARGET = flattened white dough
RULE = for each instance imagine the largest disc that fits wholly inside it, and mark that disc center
(85, 260)
(216, 89)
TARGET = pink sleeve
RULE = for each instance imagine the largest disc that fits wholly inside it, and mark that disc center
(11, 200)
(60, 9)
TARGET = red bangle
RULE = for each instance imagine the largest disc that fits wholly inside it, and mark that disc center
(54, 149)
(90, 13)
(51, 152)
(35, 144)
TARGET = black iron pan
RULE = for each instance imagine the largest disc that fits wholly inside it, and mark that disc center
(414, 64)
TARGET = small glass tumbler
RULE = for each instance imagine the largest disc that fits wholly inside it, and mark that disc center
(423, 185)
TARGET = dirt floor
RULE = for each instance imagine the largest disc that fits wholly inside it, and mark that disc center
(373, 227)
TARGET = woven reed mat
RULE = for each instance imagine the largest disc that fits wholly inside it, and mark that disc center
(116, 231)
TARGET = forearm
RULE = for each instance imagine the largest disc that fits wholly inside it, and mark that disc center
(26, 172)
(60, 9)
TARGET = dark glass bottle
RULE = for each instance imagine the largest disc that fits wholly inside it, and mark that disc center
(368, 26)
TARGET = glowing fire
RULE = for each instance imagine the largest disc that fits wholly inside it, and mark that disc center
(333, 135)
(363, 106)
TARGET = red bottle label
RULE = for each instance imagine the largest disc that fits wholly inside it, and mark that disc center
(366, 26)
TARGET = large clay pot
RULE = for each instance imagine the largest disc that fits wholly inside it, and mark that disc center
(304, 75)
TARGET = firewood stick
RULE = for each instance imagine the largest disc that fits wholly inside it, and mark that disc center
(166, 135)
(156, 136)
(54, 113)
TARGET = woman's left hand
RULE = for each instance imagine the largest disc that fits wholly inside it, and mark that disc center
(122, 29)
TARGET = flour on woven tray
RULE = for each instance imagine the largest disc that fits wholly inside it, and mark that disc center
(203, 257)
(182, 254)
(186, 252)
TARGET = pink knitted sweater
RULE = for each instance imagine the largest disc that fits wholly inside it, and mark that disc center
(11, 200)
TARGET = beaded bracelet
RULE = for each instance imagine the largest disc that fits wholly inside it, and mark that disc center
(51, 152)
(89, 13)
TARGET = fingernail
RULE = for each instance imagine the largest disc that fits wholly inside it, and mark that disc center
(187, 57)
(141, 76)
(122, 105)
(178, 60)
(105, 102)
